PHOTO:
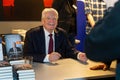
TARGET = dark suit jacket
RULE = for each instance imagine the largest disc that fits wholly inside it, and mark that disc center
(35, 44)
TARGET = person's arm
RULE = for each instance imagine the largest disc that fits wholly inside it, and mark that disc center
(70, 51)
(88, 12)
(91, 20)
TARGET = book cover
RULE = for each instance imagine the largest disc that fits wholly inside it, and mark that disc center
(13, 46)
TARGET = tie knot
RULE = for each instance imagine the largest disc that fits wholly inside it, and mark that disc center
(50, 35)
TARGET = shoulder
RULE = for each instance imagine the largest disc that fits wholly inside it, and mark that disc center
(60, 32)
(35, 30)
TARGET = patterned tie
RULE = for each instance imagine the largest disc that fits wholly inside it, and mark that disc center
(50, 48)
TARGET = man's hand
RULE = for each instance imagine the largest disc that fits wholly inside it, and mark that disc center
(54, 56)
(82, 57)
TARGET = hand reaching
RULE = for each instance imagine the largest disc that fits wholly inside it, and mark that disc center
(82, 57)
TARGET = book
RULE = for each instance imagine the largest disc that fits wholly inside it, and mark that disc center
(27, 76)
(27, 73)
(21, 68)
(4, 65)
(6, 77)
(6, 68)
(16, 62)
(13, 46)
(6, 74)
(6, 71)
(27, 79)
(24, 71)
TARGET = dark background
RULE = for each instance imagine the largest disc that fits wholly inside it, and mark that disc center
(23, 10)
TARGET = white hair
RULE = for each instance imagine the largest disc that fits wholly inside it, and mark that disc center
(46, 10)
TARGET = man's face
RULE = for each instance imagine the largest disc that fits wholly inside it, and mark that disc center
(50, 21)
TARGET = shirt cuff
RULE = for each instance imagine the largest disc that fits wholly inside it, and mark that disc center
(46, 59)
(78, 55)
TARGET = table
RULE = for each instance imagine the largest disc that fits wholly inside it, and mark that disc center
(70, 69)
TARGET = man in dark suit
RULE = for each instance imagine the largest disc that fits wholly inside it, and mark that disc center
(103, 42)
(37, 41)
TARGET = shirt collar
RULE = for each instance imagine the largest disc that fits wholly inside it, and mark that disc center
(47, 33)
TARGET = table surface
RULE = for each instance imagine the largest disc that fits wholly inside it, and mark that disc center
(70, 69)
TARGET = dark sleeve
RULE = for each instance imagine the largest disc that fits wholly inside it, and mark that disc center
(103, 43)
(66, 49)
(32, 47)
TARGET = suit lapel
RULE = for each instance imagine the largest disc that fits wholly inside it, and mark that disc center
(57, 39)
(42, 40)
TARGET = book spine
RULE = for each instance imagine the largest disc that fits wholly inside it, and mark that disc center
(24, 74)
(15, 62)
(28, 76)
(24, 71)
(27, 79)
(6, 74)
(5, 71)
(6, 68)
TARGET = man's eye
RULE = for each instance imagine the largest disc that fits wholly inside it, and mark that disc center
(48, 18)
(54, 19)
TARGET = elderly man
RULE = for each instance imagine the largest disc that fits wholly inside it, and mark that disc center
(37, 41)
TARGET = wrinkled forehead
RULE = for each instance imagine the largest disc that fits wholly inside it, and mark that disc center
(110, 3)
(51, 14)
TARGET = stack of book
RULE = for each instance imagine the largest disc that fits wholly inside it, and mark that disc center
(25, 72)
(6, 71)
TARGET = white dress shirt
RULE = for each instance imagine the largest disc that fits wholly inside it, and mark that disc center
(47, 44)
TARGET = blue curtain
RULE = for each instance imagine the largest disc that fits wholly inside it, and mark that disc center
(81, 24)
